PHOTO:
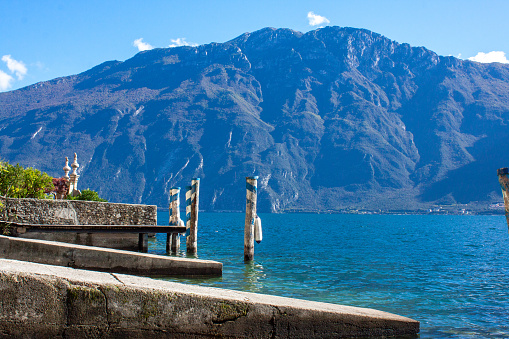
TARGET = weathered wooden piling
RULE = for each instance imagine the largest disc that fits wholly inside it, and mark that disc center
(251, 196)
(504, 184)
(188, 211)
(192, 238)
(173, 240)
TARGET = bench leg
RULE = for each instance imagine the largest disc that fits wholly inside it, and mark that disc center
(175, 242)
(143, 242)
(168, 243)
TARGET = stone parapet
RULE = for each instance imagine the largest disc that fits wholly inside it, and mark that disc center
(77, 212)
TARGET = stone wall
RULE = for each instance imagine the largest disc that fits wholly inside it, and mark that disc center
(76, 212)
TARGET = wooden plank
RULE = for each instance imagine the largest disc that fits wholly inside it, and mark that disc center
(25, 227)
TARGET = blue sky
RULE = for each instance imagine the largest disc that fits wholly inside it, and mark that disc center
(42, 39)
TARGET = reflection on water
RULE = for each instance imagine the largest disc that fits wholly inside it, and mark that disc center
(157, 245)
(206, 281)
(253, 277)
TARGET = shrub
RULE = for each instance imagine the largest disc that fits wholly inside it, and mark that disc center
(19, 182)
(61, 186)
(88, 195)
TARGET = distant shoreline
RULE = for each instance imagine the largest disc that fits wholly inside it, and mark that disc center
(442, 211)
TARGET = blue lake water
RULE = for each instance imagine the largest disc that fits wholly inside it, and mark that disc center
(449, 272)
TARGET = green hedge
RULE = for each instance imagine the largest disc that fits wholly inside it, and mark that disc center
(88, 195)
(19, 182)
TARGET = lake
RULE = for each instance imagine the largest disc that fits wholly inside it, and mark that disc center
(448, 272)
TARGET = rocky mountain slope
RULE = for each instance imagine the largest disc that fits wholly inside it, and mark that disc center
(337, 118)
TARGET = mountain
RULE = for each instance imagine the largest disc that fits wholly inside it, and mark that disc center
(334, 119)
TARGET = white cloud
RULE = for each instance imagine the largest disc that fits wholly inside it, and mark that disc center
(142, 46)
(15, 66)
(316, 20)
(5, 81)
(495, 56)
(181, 42)
(40, 66)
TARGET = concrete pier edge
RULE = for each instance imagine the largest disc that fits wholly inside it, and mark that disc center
(54, 301)
(104, 259)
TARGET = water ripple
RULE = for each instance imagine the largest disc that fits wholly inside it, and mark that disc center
(449, 272)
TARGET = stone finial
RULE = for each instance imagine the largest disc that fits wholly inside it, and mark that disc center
(75, 164)
(66, 168)
(73, 180)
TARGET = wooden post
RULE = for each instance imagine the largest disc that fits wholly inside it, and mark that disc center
(192, 239)
(188, 210)
(251, 196)
(173, 239)
(189, 190)
(504, 184)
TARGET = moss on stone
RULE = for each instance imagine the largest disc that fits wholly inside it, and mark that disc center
(84, 293)
(226, 311)
(149, 308)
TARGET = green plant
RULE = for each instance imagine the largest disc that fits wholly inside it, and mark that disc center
(5, 229)
(19, 182)
(88, 195)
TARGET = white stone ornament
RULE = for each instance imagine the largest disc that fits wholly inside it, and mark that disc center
(75, 164)
(66, 168)
(73, 182)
